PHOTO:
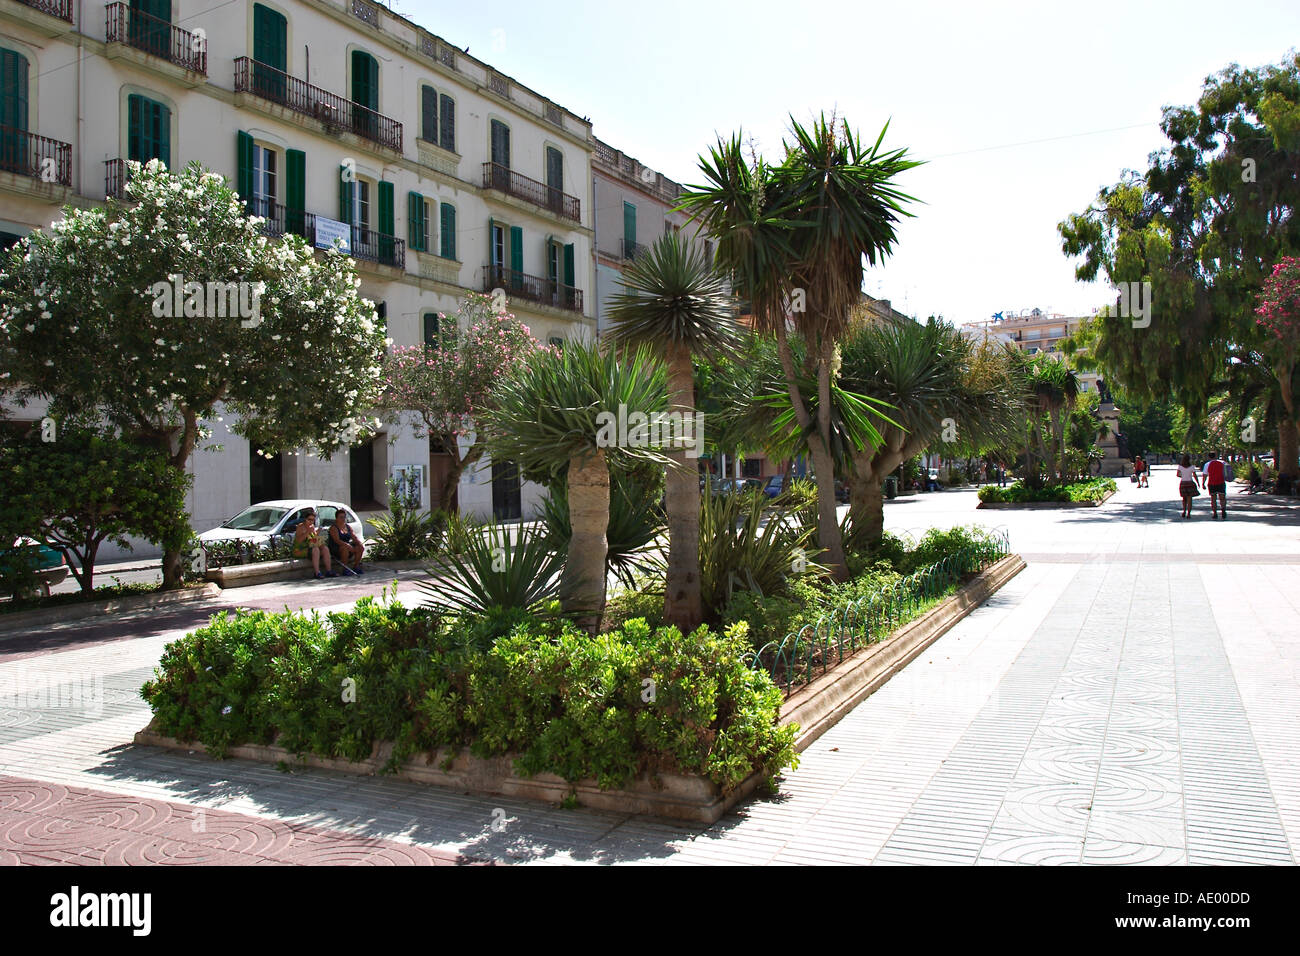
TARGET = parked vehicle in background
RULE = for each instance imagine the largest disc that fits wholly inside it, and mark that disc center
(49, 566)
(775, 485)
(274, 522)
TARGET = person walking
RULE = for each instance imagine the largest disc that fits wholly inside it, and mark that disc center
(1187, 484)
(1216, 483)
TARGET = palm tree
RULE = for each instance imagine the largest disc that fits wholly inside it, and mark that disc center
(939, 385)
(674, 302)
(793, 237)
(553, 418)
(1055, 387)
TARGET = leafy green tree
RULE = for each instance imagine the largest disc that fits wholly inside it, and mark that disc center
(552, 417)
(674, 302)
(439, 388)
(794, 236)
(1202, 225)
(1279, 316)
(85, 488)
(159, 313)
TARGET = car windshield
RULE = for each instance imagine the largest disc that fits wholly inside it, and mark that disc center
(256, 518)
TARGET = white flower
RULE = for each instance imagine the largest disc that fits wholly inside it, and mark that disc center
(226, 709)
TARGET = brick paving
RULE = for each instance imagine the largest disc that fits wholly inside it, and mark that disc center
(1131, 697)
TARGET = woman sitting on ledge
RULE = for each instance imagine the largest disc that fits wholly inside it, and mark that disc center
(307, 539)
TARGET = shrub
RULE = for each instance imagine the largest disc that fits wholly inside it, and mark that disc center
(1092, 489)
(501, 567)
(406, 533)
(635, 521)
(635, 700)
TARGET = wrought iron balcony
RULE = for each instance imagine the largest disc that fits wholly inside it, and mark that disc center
(157, 37)
(41, 158)
(334, 111)
(55, 8)
(116, 174)
(505, 179)
(366, 244)
(532, 288)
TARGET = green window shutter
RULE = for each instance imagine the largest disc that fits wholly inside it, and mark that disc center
(295, 192)
(568, 265)
(554, 169)
(415, 221)
(296, 184)
(243, 163)
(13, 98)
(345, 196)
(448, 231)
(447, 123)
(428, 114)
(386, 209)
(270, 47)
(148, 130)
(517, 248)
(500, 144)
(629, 226)
(365, 80)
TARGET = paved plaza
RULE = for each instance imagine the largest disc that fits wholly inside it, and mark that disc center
(1130, 697)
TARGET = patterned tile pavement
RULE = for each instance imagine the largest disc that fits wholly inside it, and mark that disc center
(1130, 697)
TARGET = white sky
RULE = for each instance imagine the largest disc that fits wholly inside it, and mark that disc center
(1024, 109)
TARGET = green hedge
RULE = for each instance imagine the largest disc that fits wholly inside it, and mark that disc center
(630, 701)
(1093, 489)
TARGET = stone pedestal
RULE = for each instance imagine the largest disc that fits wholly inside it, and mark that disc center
(1116, 463)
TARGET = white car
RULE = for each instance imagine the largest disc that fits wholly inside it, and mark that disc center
(275, 521)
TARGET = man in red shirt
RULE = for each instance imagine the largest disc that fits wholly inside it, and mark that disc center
(1215, 480)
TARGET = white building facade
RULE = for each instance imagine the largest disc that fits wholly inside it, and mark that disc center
(329, 117)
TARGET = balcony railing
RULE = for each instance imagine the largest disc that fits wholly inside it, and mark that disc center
(116, 174)
(55, 8)
(365, 243)
(496, 176)
(30, 155)
(301, 97)
(532, 288)
(158, 37)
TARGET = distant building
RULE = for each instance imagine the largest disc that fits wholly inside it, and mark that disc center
(1032, 331)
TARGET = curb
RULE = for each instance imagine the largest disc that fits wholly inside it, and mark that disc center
(823, 703)
(75, 612)
(670, 796)
(267, 572)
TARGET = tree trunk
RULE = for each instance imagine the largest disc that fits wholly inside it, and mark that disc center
(582, 583)
(828, 529)
(682, 602)
(172, 558)
(447, 488)
(866, 502)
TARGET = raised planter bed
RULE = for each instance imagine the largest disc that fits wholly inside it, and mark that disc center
(1031, 505)
(815, 708)
(23, 620)
(264, 572)
(672, 796)
(821, 704)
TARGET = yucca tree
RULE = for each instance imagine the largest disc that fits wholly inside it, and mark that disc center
(794, 237)
(675, 303)
(941, 388)
(1055, 387)
(552, 418)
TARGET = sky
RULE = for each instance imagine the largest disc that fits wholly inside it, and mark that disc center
(1022, 111)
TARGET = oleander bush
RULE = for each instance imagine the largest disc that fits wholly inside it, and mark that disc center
(633, 700)
(1091, 489)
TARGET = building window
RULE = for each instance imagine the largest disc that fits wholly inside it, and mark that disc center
(629, 230)
(557, 342)
(13, 109)
(500, 144)
(448, 231)
(361, 204)
(264, 178)
(432, 331)
(447, 123)
(149, 130)
(419, 222)
(428, 114)
(498, 246)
